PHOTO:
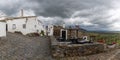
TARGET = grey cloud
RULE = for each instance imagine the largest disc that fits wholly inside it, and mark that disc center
(63, 7)
(54, 8)
(96, 11)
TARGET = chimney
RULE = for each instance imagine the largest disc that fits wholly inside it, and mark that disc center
(22, 12)
(63, 25)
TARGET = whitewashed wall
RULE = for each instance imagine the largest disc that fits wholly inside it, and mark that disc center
(19, 25)
(30, 25)
(50, 30)
(31, 22)
(2, 29)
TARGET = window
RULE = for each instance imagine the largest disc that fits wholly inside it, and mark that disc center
(46, 27)
(14, 26)
(35, 26)
(24, 26)
(38, 31)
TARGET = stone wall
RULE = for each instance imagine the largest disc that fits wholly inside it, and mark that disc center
(73, 50)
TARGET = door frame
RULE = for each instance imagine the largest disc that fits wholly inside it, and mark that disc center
(61, 33)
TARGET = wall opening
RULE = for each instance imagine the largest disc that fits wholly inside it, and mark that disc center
(14, 26)
(64, 34)
(6, 27)
(24, 26)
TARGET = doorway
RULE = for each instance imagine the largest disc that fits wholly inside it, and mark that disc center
(6, 27)
(64, 34)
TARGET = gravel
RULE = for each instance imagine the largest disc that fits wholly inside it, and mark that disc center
(19, 47)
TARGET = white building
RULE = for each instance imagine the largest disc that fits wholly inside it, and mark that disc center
(50, 30)
(54, 29)
(25, 25)
(2, 28)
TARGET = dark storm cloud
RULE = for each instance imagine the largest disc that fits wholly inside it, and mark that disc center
(64, 7)
(51, 8)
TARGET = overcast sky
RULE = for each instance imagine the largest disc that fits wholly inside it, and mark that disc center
(89, 14)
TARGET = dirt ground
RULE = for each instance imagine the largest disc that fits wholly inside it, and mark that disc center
(111, 55)
(18, 47)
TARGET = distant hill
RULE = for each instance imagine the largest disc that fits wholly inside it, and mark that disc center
(94, 31)
(83, 30)
(105, 31)
(74, 27)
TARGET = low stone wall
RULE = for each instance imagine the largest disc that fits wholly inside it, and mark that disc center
(72, 50)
